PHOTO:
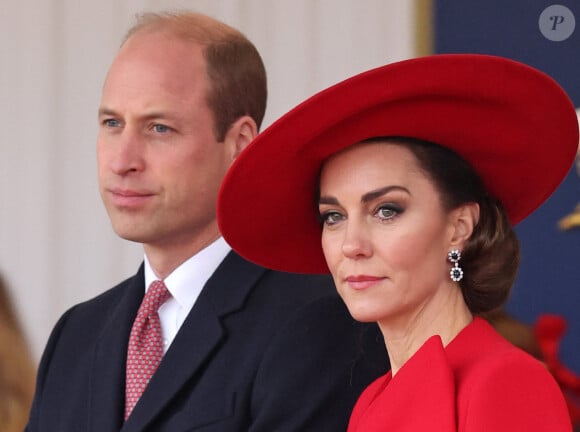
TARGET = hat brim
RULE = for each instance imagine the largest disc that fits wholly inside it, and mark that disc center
(514, 125)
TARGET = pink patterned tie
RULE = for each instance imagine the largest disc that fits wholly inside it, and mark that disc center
(145, 345)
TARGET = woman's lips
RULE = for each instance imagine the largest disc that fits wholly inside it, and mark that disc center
(360, 282)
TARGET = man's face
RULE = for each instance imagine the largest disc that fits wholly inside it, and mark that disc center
(159, 164)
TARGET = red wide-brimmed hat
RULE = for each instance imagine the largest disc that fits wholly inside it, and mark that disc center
(514, 125)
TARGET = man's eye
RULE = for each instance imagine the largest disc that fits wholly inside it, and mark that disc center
(111, 123)
(159, 128)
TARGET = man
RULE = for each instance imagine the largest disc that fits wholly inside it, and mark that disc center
(244, 348)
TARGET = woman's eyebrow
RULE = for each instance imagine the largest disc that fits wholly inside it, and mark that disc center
(327, 200)
(370, 196)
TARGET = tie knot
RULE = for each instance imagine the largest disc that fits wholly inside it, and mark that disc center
(156, 295)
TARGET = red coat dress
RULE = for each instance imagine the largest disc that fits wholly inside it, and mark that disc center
(478, 383)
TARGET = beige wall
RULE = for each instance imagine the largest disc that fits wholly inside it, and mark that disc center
(56, 245)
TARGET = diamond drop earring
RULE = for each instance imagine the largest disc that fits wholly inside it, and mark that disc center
(456, 272)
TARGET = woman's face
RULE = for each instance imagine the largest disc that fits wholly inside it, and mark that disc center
(385, 234)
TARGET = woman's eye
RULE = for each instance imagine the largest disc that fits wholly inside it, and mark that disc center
(331, 218)
(388, 212)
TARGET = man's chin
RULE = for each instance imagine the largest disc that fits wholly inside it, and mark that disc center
(130, 234)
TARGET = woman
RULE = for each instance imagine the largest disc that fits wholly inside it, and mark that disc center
(418, 236)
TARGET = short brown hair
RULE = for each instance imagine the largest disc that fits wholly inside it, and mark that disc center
(236, 72)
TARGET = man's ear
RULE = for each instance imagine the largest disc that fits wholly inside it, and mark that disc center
(241, 133)
(463, 221)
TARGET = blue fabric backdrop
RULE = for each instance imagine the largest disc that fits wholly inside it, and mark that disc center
(549, 277)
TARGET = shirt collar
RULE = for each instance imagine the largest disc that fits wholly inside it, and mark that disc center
(186, 281)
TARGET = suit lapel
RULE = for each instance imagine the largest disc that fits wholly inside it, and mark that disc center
(107, 398)
(197, 338)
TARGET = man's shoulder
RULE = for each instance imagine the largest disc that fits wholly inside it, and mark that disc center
(110, 295)
(238, 283)
(295, 291)
(301, 282)
(97, 310)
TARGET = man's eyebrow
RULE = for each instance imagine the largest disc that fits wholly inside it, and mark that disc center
(104, 111)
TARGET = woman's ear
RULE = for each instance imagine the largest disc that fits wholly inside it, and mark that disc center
(241, 133)
(463, 221)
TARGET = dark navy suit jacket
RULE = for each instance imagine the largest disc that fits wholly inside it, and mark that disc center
(260, 351)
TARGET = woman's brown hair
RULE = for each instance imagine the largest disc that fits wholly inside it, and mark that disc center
(491, 256)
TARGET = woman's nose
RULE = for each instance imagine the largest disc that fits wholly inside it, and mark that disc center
(356, 242)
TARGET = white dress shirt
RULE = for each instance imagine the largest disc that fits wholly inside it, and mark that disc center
(185, 283)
